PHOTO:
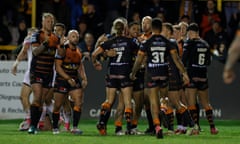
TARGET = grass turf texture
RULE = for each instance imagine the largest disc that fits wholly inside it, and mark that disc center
(9, 134)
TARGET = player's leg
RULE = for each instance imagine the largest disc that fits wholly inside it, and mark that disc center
(58, 102)
(26, 91)
(77, 98)
(127, 97)
(137, 109)
(191, 101)
(204, 99)
(119, 115)
(155, 107)
(106, 110)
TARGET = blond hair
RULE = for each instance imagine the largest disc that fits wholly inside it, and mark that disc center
(47, 14)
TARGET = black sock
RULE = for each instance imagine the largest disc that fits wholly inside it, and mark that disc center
(198, 113)
(179, 118)
(209, 115)
(150, 119)
(128, 120)
(104, 116)
(76, 118)
(163, 119)
(134, 126)
(187, 119)
(35, 115)
(118, 128)
(55, 118)
(170, 118)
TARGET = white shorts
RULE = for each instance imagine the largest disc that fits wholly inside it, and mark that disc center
(26, 79)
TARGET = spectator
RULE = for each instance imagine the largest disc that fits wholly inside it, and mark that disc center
(162, 16)
(14, 33)
(82, 29)
(94, 21)
(5, 35)
(25, 10)
(76, 13)
(22, 30)
(209, 16)
(112, 12)
(218, 40)
(62, 11)
(135, 17)
(154, 7)
(87, 46)
(186, 8)
(129, 7)
(186, 19)
(85, 6)
(169, 8)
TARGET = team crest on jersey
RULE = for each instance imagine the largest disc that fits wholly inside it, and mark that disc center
(39, 80)
(62, 89)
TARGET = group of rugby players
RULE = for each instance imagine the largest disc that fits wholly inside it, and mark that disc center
(157, 66)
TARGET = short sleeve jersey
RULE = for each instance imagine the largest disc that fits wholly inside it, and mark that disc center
(122, 63)
(157, 49)
(71, 62)
(196, 53)
(42, 63)
(196, 57)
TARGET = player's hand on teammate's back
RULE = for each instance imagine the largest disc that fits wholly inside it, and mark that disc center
(132, 76)
(111, 53)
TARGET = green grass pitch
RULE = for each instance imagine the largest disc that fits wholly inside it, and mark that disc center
(229, 133)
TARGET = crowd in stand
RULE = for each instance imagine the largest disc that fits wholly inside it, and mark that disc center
(96, 16)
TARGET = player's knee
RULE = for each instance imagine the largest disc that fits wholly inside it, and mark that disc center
(36, 104)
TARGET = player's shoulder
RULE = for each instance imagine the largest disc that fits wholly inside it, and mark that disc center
(38, 32)
(37, 36)
(188, 43)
